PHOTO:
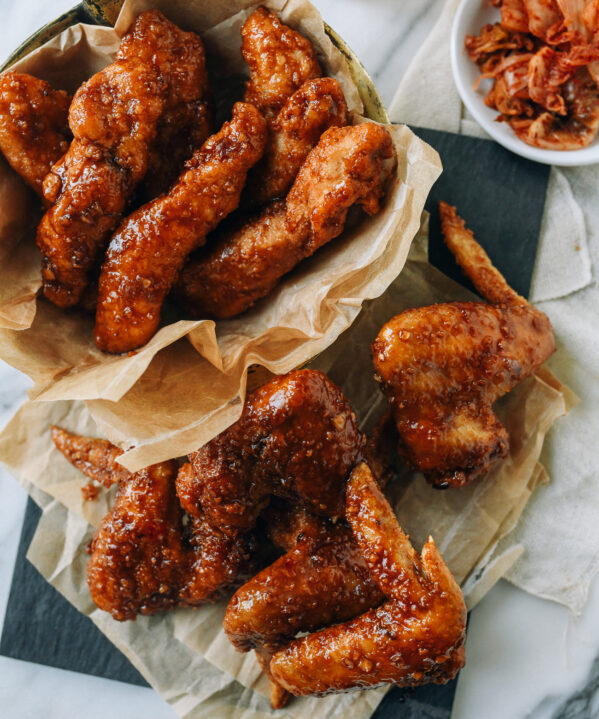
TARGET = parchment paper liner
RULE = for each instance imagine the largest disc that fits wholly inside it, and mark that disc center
(181, 653)
(309, 310)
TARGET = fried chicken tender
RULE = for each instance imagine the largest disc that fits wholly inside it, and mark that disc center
(280, 61)
(114, 118)
(297, 438)
(442, 367)
(34, 133)
(415, 637)
(96, 458)
(349, 165)
(143, 559)
(149, 248)
(316, 106)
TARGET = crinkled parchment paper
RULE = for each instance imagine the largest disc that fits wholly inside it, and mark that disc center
(304, 315)
(184, 654)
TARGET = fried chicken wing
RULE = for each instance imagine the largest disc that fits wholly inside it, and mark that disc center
(137, 556)
(143, 558)
(349, 165)
(96, 458)
(320, 581)
(297, 438)
(149, 248)
(316, 106)
(415, 637)
(114, 118)
(280, 61)
(34, 132)
(442, 367)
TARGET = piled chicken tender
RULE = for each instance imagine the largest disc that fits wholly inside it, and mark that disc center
(543, 58)
(134, 182)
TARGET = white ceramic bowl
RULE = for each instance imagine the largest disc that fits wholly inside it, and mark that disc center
(470, 18)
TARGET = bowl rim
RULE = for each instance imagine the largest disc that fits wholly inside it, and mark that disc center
(475, 104)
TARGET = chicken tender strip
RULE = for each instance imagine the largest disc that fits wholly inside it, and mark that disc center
(114, 118)
(349, 165)
(143, 559)
(297, 438)
(95, 458)
(316, 106)
(415, 637)
(149, 248)
(442, 367)
(34, 132)
(280, 61)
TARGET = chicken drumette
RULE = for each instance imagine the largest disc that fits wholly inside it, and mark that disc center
(442, 367)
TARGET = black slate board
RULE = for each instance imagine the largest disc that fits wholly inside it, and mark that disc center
(501, 196)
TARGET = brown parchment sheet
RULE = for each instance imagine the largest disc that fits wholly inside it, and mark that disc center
(184, 654)
(303, 316)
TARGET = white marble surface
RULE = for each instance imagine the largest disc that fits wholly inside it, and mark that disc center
(525, 657)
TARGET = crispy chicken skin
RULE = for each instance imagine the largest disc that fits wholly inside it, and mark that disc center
(316, 106)
(149, 248)
(34, 132)
(442, 367)
(279, 58)
(96, 458)
(143, 559)
(415, 637)
(297, 438)
(113, 118)
(349, 165)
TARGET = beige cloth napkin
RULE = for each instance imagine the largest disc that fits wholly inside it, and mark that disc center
(559, 528)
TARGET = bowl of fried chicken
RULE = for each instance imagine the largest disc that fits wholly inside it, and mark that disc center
(528, 71)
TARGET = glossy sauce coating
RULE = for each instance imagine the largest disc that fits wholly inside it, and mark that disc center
(297, 438)
(415, 637)
(443, 366)
(316, 106)
(149, 248)
(34, 132)
(279, 58)
(349, 165)
(113, 118)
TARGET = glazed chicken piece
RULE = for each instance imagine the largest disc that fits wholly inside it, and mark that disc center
(149, 248)
(137, 557)
(143, 559)
(114, 118)
(280, 61)
(297, 438)
(34, 132)
(316, 106)
(349, 166)
(442, 367)
(96, 458)
(322, 579)
(415, 637)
